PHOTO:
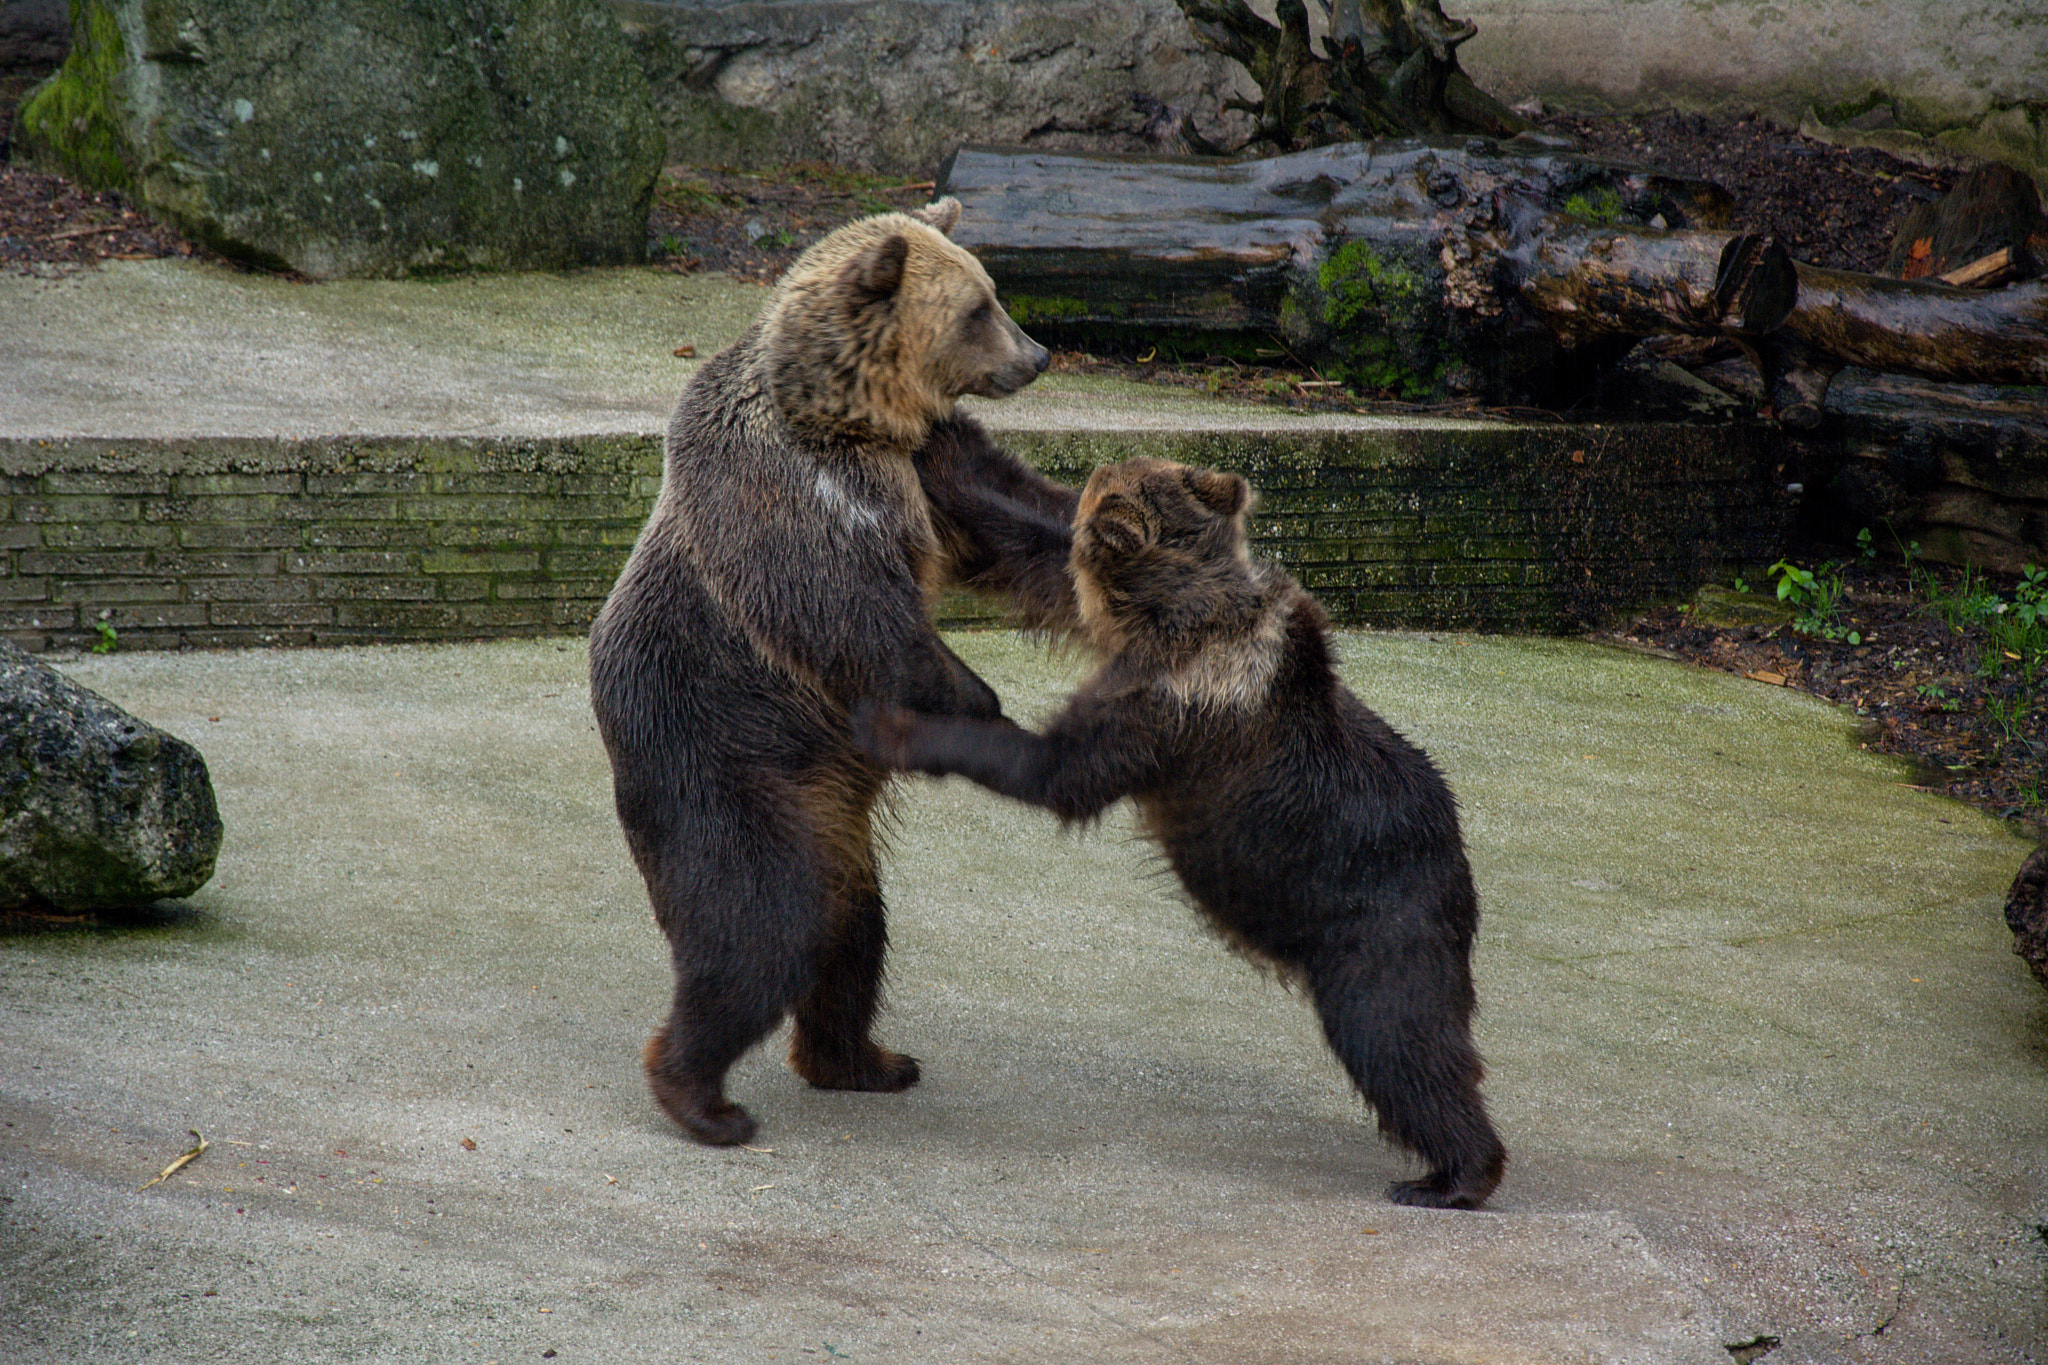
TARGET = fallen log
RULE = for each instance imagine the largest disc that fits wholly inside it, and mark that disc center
(1418, 266)
(1427, 267)
(1937, 331)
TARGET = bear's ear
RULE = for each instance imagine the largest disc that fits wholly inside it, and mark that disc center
(877, 273)
(1224, 494)
(940, 214)
(1118, 525)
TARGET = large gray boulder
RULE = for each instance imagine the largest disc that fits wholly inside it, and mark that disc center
(344, 139)
(98, 811)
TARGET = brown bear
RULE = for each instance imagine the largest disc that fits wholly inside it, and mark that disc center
(786, 571)
(1310, 833)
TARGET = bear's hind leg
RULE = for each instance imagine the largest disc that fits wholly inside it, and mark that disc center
(737, 930)
(830, 1046)
(1400, 1024)
(695, 1102)
(717, 1015)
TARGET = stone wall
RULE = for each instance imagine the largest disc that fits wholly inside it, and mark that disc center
(230, 543)
(1928, 79)
(894, 86)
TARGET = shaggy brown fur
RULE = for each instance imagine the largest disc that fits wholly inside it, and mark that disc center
(786, 571)
(1309, 833)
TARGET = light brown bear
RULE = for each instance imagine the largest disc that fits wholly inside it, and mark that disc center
(786, 571)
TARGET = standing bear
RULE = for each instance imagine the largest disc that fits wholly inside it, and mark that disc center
(1309, 833)
(785, 572)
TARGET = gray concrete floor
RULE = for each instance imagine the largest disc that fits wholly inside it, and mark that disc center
(1759, 1047)
(1764, 1059)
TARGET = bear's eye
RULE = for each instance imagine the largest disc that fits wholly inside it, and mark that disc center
(983, 313)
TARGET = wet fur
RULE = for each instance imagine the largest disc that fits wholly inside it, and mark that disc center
(787, 570)
(1309, 832)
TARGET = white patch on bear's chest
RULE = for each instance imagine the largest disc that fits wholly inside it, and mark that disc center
(844, 505)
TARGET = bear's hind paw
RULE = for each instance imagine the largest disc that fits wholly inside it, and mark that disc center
(874, 1069)
(716, 1122)
(1438, 1191)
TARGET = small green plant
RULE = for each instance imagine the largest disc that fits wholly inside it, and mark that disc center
(1601, 206)
(1866, 545)
(2009, 714)
(109, 637)
(1938, 698)
(2030, 598)
(1970, 602)
(2017, 631)
(1815, 596)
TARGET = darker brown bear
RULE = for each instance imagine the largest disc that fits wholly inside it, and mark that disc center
(786, 571)
(1310, 833)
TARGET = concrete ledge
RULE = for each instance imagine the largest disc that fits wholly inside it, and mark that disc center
(196, 458)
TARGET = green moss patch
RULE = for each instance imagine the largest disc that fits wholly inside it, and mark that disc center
(71, 121)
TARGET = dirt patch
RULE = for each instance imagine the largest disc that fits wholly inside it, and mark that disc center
(1829, 206)
(1934, 692)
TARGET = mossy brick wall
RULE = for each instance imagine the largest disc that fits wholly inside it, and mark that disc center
(223, 543)
(228, 543)
(1502, 528)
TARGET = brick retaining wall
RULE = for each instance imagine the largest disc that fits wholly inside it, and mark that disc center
(222, 543)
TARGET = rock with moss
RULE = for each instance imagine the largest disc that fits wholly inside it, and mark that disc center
(98, 810)
(336, 139)
(2026, 913)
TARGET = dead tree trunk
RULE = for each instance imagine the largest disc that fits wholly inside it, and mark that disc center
(1427, 267)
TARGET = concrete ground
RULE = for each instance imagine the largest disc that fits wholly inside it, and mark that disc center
(1767, 1067)
(179, 350)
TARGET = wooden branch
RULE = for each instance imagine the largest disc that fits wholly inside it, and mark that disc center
(93, 231)
(1984, 272)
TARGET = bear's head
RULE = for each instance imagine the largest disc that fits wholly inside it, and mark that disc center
(1160, 552)
(880, 327)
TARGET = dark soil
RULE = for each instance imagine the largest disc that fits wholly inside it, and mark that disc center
(1921, 685)
(1830, 206)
